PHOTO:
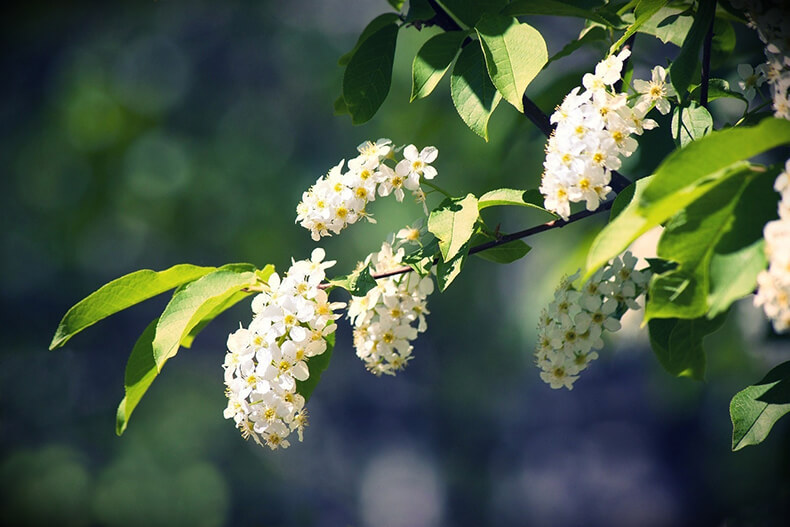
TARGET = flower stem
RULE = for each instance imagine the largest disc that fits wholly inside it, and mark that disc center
(436, 187)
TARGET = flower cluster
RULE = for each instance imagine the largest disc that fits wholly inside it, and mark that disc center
(293, 317)
(339, 198)
(773, 285)
(384, 319)
(593, 130)
(771, 19)
(570, 330)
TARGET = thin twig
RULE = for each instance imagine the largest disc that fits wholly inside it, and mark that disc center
(705, 75)
(553, 224)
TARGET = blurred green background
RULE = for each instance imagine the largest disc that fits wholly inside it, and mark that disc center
(145, 134)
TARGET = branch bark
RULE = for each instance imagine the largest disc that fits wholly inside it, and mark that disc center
(705, 73)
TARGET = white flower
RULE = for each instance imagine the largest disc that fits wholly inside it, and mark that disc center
(751, 79)
(339, 198)
(655, 91)
(384, 318)
(265, 362)
(570, 329)
(593, 132)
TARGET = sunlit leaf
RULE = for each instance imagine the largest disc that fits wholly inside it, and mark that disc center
(514, 53)
(453, 223)
(122, 293)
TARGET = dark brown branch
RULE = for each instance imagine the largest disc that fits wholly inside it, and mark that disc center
(705, 74)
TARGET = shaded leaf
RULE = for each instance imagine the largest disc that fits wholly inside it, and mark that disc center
(755, 409)
(552, 8)
(140, 373)
(505, 253)
(474, 96)
(446, 272)
(368, 76)
(432, 62)
(684, 65)
(718, 89)
(468, 12)
(677, 344)
(588, 36)
(377, 23)
(357, 283)
(316, 365)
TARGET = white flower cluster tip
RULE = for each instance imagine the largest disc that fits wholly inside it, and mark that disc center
(292, 319)
(339, 198)
(772, 22)
(773, 285)
(594, 129)
(384, 319)
(570, 330)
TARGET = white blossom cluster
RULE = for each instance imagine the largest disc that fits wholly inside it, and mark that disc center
(570, 330)
(390, 315)
(771, 19)
(593, 131)
(339, 198)
(773, 285)
(292, 319)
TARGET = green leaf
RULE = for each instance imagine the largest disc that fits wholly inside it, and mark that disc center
(514, 52)
(453, 223)
(340, 107)
(702, 160)
(643, 12)
(422, 259)
(469, 12)
(723, 43)
(551, 8)
(690, 123)
(505, 253)
(396, 4)
(192, 304)
(419, 10)
(588, 36)
(474, 97)
(718, 89)
(262, 276)
(377, 23)
(140, 373)
(684, 65)
(368, 75)
(358, 283)
(755, 409)
(120, 294)
(669, 24)
(316, 365)
(508, 196)
(689, 239)
(677, 344)
(432, 62)
(446, 272)
(739, 256)
(622, 200)
(635, 220)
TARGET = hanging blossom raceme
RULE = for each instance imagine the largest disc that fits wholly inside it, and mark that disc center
(773, 285)
(593, 131)
(771, 19)
(570, 330)
(391, 315)
(292, 319)
(340, 198)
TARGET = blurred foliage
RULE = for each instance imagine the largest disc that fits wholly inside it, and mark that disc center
(140, 135)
